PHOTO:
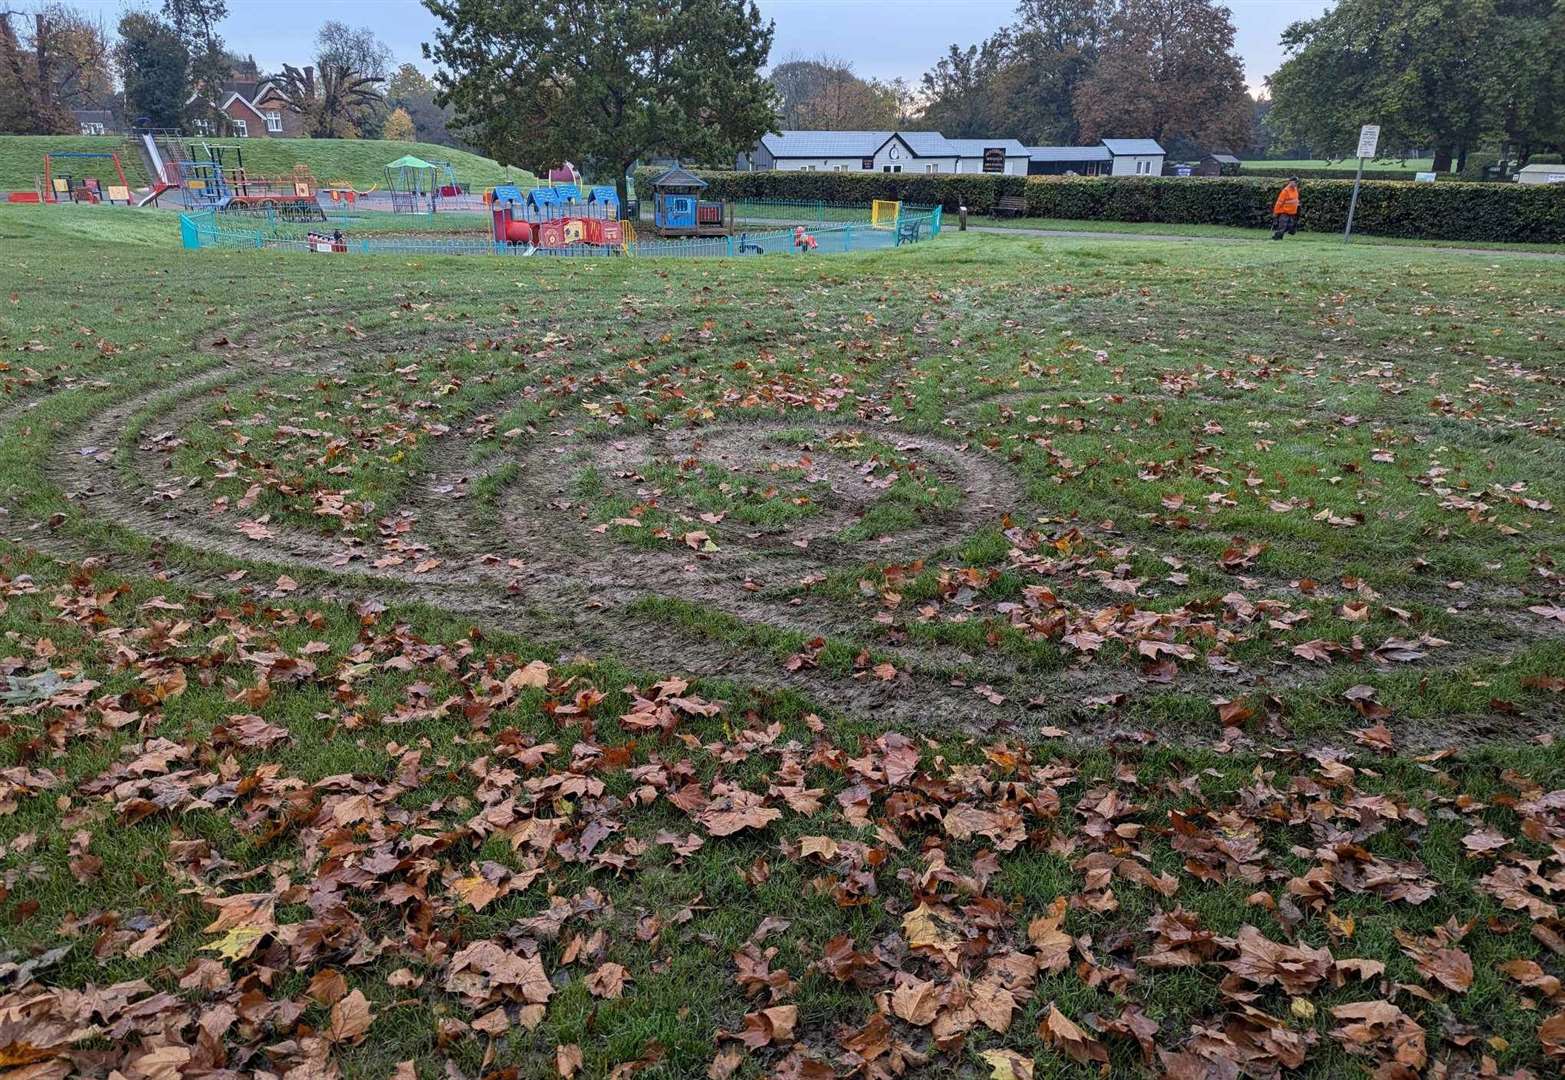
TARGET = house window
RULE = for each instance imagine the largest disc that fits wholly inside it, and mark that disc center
(242, 129)
(202, 127)
(274, 121)
(89, 128)
(891, 168)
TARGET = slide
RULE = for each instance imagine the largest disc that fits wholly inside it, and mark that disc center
(155, 159)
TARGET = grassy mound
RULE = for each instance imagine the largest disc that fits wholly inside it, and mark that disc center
(359, 161)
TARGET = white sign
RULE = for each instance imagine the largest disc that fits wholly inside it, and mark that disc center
(1369, 139)
(1425, 177)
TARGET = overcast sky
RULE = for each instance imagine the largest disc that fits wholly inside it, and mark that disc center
(882, 38)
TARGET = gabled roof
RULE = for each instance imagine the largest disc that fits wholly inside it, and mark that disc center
(927, 143)
(679, 176)
(1119, 147)
(824, 144)
(237, 96)
(976, 147)
(1226, 159)
(1068, 153)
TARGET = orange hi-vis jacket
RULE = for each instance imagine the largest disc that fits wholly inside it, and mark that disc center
(1287, 201)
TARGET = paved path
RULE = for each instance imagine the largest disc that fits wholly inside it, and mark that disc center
(1085, 234)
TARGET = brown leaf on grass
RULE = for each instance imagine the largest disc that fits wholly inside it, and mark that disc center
(921, 927)
(1379, 1029)
(767, 1026)
(350, 1018)
(1376, 737)
(1134, 1024)
(1261, 961)
(915, 1000)
(567, 1060)
(1551, 1035)
(1438, 958)
(486, 971)
(1530, 975)
(733, 809)
(726, 1063)
(1052, 943)
(607, 982)
(992, 1003)
(1060, 1032)
(1007, 1065)
(327, 987)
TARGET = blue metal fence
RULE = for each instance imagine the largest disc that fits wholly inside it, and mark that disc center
(833, 229)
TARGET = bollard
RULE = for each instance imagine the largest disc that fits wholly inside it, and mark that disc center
(961, 219)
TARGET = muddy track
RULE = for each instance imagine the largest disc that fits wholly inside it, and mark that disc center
(550, 576)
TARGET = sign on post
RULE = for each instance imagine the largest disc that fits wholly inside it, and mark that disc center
(1369, 142)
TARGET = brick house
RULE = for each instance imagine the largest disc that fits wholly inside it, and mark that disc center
(252, 109)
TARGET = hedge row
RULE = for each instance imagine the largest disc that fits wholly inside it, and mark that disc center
(1481, 213)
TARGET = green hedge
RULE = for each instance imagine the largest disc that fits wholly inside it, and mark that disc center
(1480, 213)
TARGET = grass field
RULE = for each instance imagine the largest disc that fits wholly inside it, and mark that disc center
(995, 657)
(360, 161)
(1377, 165)
(1231, 232)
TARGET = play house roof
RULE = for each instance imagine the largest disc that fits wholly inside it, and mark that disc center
(679, 178)
(408, 161)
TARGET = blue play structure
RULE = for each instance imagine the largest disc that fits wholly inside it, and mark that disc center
(547, 202)
(678, 209)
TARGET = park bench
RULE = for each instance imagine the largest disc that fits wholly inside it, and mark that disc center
(907, 232)
(1010, 206)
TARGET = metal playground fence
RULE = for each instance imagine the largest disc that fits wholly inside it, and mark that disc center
(762, 227)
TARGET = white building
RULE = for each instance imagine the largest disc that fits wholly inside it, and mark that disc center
(883, 151)
(1135, 157)
(1541, 174)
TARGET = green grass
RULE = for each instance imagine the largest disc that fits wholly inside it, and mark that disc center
(1377, 165)
(1380, 422)
(21, 159)
(359, 161)
(1233, 232)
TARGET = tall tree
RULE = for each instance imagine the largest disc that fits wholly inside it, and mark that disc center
(1167, 70)
(154, 68)
(961, 93)
(605, 82)
(1052, 49)
(53, 58)
(336, 102)
(399, 126)
(410, 90)
(1441, 73)
(824, 94)
(195, 21)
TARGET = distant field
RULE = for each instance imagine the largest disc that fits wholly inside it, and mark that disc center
(361, 161)
(1378, 165)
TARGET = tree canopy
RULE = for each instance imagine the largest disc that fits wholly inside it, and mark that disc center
(1441, 73)
(604, 82)
(52, 59)
(154, 68)
(823, 93)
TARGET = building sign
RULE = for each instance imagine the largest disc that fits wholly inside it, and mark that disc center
(994, 159)
(1369, 140)
(1425, 177)
(867, 163)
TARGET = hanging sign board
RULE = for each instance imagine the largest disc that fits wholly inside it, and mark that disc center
(994, 159)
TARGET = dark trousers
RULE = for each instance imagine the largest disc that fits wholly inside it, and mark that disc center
(1284, 224)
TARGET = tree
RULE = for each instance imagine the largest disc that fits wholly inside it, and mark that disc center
(1443, 73)
(357, 50)
(154, 68)
(1050, 51)
(824, 93)
(195, 21)
(605, 82)
(961, 91)
(399, 126)
(1167, 70)
(52, 59)
(410, 90)
(334, 101)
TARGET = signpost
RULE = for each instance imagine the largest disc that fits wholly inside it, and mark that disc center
(1369, 141)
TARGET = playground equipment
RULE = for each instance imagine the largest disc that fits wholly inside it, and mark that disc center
(883, 213)
(518, 223)
(217, 184)
(678, 209)
(416, 185)
(68, 188)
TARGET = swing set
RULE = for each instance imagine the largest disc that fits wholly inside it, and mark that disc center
(67, 187)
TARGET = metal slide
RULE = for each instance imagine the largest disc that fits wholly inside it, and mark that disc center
(160, 178)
